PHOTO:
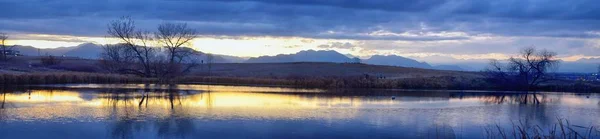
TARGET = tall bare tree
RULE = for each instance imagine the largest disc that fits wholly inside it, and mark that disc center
(5, 48)
(175, 39)
(163, 54)
(526, 71)
(135, 48)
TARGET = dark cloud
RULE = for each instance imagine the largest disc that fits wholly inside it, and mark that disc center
(386, 5)
(350, 19)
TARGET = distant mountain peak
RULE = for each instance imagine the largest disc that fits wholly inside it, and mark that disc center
(588, 60)
(89, 44)
(303, 56)
(85, 50)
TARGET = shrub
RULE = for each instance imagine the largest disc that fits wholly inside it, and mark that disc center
(50, 60)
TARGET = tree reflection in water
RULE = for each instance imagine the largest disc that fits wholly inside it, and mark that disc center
(525, 99)
(4, 92)
(3, 100)
(2, 111)
(536, 106)
(130, 120)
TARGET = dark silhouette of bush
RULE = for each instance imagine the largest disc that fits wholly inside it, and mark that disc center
(50, 60)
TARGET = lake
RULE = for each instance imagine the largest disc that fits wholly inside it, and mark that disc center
(216, 111)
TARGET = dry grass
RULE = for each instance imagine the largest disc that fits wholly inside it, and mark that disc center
(562, 129)
(347, 82)
(68, 77)
(436, 82)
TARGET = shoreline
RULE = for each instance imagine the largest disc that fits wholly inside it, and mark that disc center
(294, 90)
(328, 83)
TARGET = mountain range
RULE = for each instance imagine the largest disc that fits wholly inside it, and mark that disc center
(92, 51)
(336, 57)
(303, 56)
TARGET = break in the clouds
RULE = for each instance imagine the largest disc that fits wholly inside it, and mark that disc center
(451, 27)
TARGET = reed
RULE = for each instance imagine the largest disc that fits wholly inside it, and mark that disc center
(439, 82)
(307, 82)
(69, 77)
(346, 82)
(561, 130)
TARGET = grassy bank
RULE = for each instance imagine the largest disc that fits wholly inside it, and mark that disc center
(562, 129)
(306, 82)
(68, 77)
(440, 82)
(348, 82)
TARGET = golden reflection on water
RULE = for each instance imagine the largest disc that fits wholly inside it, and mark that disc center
(226, 102)
(215, 88)
(44, 96)
(72, 104)
(230, 100)
(126, 110)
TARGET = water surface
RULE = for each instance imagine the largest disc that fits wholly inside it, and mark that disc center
(212, 111)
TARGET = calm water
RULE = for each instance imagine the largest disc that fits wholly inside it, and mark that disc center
(202, 111)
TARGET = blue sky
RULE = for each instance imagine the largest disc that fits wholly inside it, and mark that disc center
(435, 30)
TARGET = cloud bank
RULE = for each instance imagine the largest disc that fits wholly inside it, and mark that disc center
(380, 26)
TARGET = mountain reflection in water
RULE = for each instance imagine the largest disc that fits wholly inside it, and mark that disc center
(151, 111)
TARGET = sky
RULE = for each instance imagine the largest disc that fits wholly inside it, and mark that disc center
(431, 30)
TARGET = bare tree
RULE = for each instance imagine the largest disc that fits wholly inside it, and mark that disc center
(134, 48)
(118, 58)
(5, 48)
(163, 54)
(174, 37)
(526, 71)
(50, 60)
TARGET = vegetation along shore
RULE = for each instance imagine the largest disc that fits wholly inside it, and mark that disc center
(361, 76)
